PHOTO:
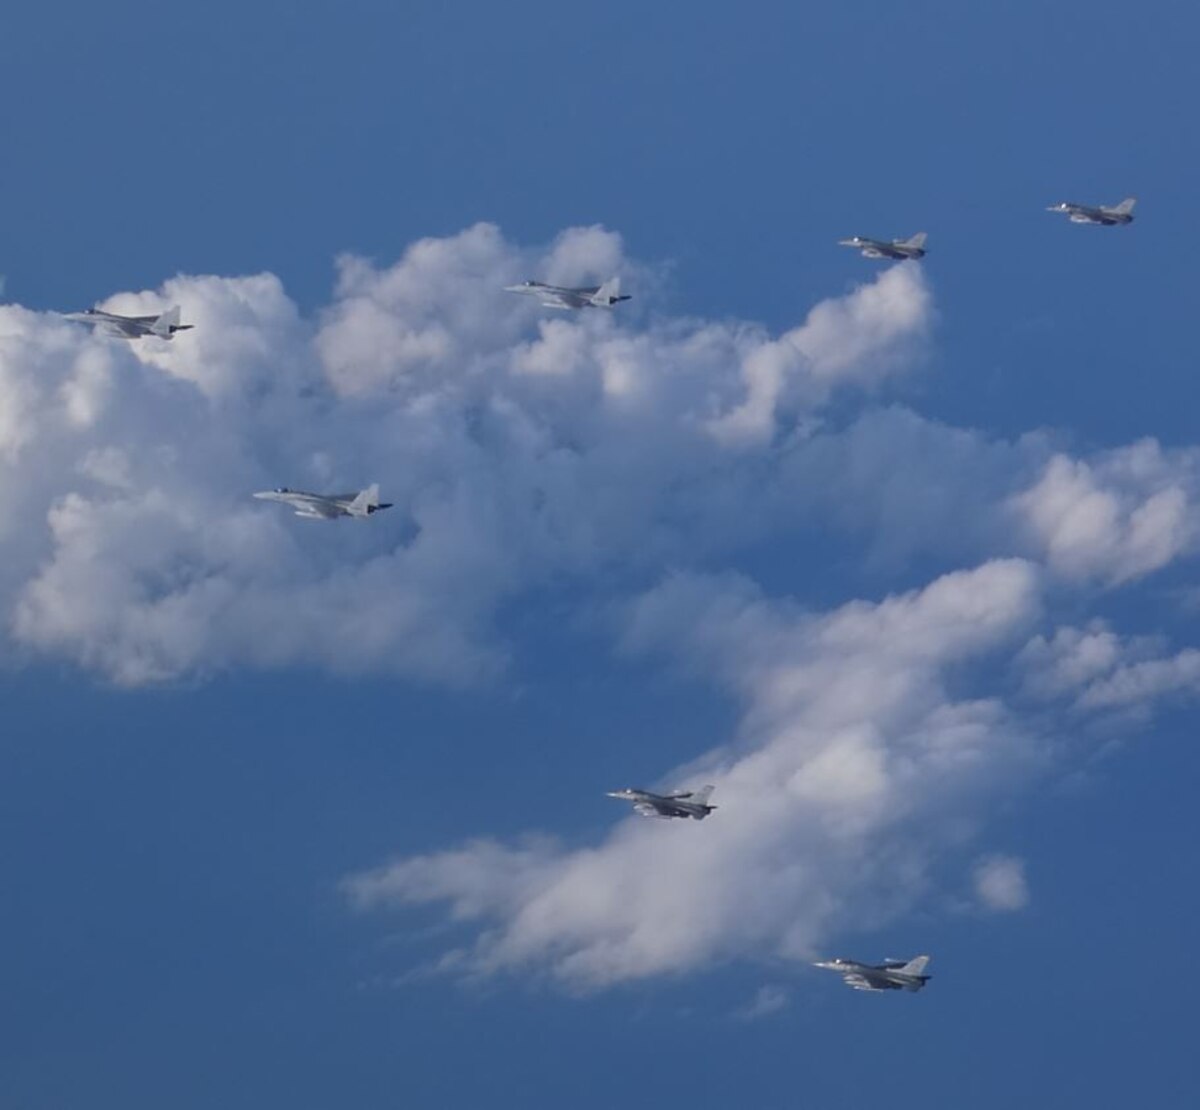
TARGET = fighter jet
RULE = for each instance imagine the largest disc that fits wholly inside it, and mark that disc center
(328, 506)
(558, 296)
(685, 803)
(163, 326)
(891, 975)
(1107, 217)
(882, 248)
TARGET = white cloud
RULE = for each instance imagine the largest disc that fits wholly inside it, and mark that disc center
(1070, 659)
(1118, 517)
(859, 338)
(854, 750)
(523, 451)
(1140, 684)
(768, 999)
(1000, 884)
(516, 448)
(1097, 670)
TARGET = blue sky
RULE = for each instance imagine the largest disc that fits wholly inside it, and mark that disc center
(214, 730)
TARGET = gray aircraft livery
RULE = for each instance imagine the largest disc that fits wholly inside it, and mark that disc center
(164, 326)
(891, 975)
(560, 296)
(327, 506)
(684, 803)
(1107, 217)
(884, 248)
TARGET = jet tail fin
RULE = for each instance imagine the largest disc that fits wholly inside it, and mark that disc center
(700, 797)
(168, 320)
(1126, 206)
(917, 241)
(915, 967)
(367, 500)
(608, 294)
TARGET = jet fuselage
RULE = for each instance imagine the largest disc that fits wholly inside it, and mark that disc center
(892, 975)
(329, 506)
(879, 248)
(649, 804)
(1087, 214)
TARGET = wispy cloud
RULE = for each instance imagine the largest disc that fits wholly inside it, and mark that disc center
(1000, 884)
(768, 1000)
(853, 755)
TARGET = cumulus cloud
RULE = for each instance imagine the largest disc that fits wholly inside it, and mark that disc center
(1117, 517)
(516, 447)
(1096, 669)
(625, 454)
(1000, 884)
(860, 738)
(1140, 684)
(857, 338)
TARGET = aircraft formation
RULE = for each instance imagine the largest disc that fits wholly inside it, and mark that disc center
(891, 975)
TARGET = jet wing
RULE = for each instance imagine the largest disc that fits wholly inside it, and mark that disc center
(646, 809)
(322, 512)
(563, 300)
(314, 508)
(119, 329)
(861, 983)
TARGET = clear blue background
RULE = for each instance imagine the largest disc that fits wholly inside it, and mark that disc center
(170, 928)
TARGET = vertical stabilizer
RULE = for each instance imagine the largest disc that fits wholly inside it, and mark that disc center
(168, 320)
(917, 242)
(608, 294)
(1125, 208)
(367, 500)
(915, 967)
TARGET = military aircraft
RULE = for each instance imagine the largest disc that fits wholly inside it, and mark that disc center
(559, 296)
(1107, 217)
(883, 248)
(891, 975)
(328, 506)
(684, 803)
(164, 326)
